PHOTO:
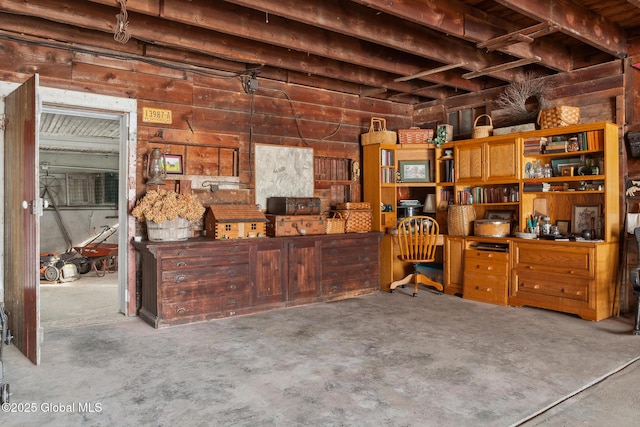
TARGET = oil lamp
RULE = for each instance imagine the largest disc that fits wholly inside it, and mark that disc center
(156, 167)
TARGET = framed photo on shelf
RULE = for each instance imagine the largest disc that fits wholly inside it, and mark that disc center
(563, 226)
(414, 171)
(174, 163)
(582, 216)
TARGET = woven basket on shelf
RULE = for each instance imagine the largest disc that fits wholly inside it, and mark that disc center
(482, 131)
(357, 221)
(558, 116)
(378, 133)
(460, 219)
(414, 135)
(353, 205)
(335, 225)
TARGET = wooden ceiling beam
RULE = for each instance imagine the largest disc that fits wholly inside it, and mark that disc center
(575, 21)
(361, 23)
(526, 35)
(502, 67)
(457, 19)
(430, 72)
(201, 41)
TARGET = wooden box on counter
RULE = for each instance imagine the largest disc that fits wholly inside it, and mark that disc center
(202, 279)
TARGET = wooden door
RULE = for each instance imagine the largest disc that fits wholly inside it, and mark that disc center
(502, 160)
(22, 208)
(267, 264)
(305, 270)
(469, 161)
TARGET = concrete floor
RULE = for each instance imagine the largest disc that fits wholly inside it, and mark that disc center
(377, 360)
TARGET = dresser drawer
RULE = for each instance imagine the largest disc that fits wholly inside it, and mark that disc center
(203, 260)
(565, 259)
(238, 272)
(201, 291)
(206, 308)
(488, 255)
(475, 263)
(485, 288)
(550, 285)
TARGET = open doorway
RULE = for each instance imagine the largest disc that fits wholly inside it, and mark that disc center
(79, 168)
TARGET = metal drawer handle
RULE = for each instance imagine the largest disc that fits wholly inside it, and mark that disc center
(181, 264)
(180, 278)
(233, 287)
(181, 310)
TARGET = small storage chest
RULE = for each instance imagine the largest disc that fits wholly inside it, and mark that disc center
(295, 225)
(293, 205)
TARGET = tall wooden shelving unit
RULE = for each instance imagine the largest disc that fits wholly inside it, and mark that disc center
(578, 277)
(382, 189)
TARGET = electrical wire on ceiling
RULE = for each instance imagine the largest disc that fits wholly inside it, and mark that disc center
(295, 118)
(121, 32)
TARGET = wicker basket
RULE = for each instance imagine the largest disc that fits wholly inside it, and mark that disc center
(378, 133)
(335, 225)
(357, 221)
(353, 205)
(460, 219)
(414, 136)
(558, 117)
(482, 131)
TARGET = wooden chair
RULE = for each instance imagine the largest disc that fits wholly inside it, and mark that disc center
(417, 240)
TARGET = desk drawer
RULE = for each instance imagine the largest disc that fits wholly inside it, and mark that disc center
(572, 260)
(551, 285)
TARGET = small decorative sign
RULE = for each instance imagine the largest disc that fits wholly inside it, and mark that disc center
(156, 115)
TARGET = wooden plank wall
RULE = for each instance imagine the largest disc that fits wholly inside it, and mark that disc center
(213, 118)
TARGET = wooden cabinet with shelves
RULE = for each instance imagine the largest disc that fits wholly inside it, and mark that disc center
(382, 163)
(202, 279)
(576, 277)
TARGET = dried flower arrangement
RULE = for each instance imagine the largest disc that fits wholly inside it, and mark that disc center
(159, 206)
(526, 88)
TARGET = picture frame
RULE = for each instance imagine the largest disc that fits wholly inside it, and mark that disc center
(559, 164)
(563, 226)
(173, 164)
(581, 217)
(508, 215)
(414, 171)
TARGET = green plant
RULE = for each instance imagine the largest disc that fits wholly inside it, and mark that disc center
(440, 136)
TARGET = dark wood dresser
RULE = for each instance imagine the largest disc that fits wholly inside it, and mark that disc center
(201, 279)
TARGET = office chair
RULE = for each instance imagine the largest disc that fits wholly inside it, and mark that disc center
(417, 240)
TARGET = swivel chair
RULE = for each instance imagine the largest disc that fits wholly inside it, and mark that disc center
(417, 240)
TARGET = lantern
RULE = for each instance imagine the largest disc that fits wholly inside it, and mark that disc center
(156, 167)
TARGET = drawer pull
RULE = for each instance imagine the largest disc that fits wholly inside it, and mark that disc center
(180, 278)
(484, 289)
(181, 264)
(233, 287)
(181, 293)
(180, 253)
(525, 285)
(181, 310)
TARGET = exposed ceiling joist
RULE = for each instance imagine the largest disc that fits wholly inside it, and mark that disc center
(501, 67)
(430, 72)
(526, 35)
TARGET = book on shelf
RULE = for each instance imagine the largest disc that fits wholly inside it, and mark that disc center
(536, 187)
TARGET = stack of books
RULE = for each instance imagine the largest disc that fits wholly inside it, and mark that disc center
(534, 145)
(536, 187)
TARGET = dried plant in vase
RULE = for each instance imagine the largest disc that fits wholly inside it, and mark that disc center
(160, 206)
(524, 97)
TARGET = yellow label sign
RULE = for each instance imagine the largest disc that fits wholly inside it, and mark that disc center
(156, 115)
